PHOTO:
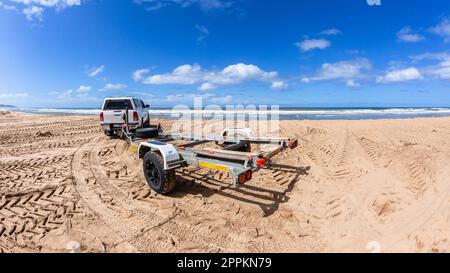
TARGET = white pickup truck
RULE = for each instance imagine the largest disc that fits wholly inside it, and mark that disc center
(113, 113)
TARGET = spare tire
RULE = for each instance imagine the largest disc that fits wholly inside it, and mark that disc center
(147, 132)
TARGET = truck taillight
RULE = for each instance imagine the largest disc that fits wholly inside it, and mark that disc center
(102, 117)
(135, 116)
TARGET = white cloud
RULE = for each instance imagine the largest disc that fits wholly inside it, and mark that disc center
(13, 95)
(34, 9)
(84, 89)
(206, 86)
(306, 80)
(94, 71)
(331, 32)
(407, 35)
(442, 29)
(440, 70)
(184, 74)
(352, 83)
(237, 73)
(192, 74)
(311, 44)
(279, 85)
(346, 71)
(33, 13)
(139, 74)
(402, 75)
(7, 7)
(111, 86)
(73, 95)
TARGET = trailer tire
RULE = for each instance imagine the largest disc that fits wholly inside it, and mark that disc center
(158, 179)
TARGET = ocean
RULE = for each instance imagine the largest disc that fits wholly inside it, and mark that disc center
(288, 113)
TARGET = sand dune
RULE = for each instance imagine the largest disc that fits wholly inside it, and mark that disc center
(351, 186)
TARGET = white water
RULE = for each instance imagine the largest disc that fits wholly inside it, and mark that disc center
(317, 113)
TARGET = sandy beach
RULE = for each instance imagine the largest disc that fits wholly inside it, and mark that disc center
(351, 186)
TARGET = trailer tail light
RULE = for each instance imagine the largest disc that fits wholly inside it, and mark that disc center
(102, 117)
(261, 162)
(293, 144)
(242, 178)
(248, 175)
(135, 116)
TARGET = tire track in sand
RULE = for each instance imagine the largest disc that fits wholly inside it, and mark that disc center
(133, 220)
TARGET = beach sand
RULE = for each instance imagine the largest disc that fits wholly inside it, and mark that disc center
(351, 186)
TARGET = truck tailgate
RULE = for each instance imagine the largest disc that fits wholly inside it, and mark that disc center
(115, 116)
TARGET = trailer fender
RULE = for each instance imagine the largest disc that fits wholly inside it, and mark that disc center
(167, 151)
(238, 132)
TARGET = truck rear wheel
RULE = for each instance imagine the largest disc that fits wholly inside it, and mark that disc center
(158, 179)
(109, 133)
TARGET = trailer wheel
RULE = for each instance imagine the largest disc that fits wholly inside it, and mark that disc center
(158, 179)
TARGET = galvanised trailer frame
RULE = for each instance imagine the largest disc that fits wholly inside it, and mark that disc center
(162, 155)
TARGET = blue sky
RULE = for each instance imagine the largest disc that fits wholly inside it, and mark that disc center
(321, 53)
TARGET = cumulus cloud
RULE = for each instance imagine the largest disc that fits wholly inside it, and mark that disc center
(279, 85)
(440, 69)
(402, 75)
(346, 71)
(192, 74)
(84, 89)
(311, 44)
(407, 35)
(442, 29)
(94, 71)
(206, 86)
(139, 74)
(237, 73)
(184, 74)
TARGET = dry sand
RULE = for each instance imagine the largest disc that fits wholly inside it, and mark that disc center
(351, 186)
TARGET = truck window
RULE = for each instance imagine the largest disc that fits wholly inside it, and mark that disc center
(137, 103)
(117, 105)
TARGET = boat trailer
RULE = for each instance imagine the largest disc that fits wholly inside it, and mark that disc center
(231, 152)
